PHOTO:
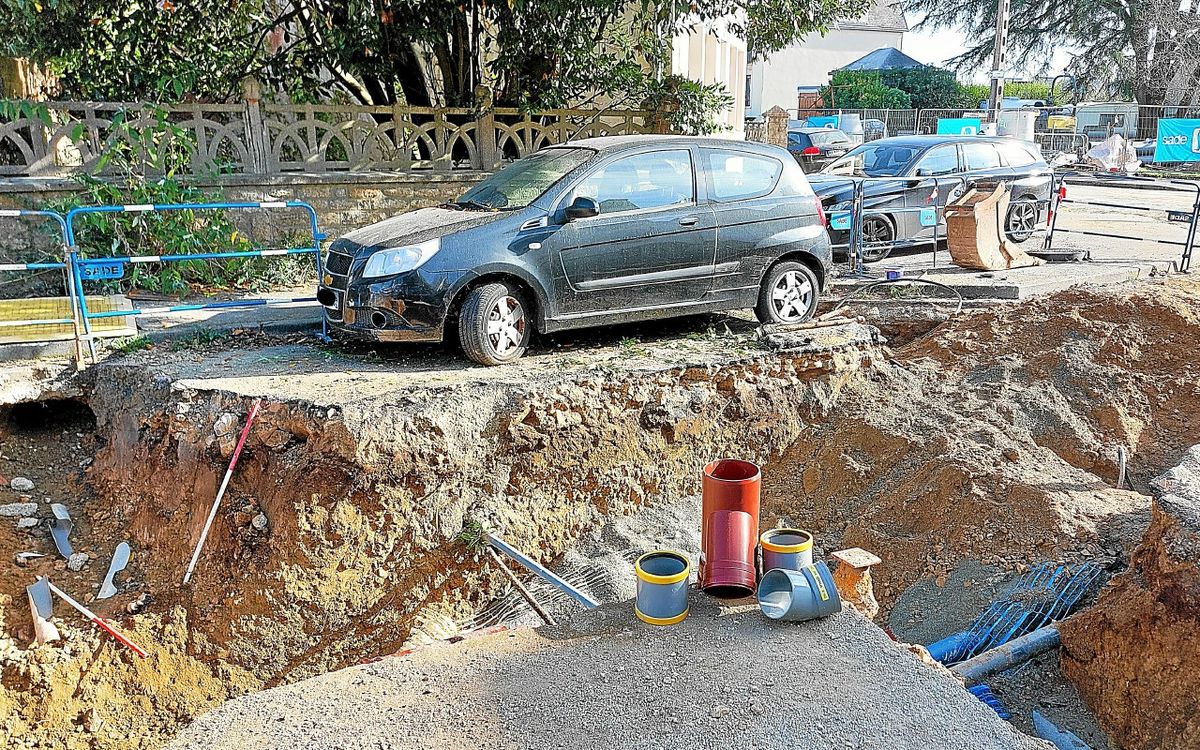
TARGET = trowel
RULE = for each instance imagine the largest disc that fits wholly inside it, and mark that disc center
(119, 561)
(60, 529)
(41, 606)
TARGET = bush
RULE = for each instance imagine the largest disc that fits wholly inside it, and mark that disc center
(853, 89)
(927, 87)
(689, 107)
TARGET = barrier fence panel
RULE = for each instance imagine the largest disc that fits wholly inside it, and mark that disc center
(1148, 184)
(41, 267)
(851, 218)
(102, 268)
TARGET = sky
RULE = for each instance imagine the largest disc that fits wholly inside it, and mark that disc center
(934, 48)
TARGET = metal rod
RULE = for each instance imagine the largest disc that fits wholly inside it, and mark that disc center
(212, 513)
(541, 572)
(520, 587)
(1010, 654)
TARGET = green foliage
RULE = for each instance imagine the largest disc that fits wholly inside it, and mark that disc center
(130, 50)
(132, 344)
(142, 155)
(198, 339)
(972, 94)
(927, 87)
(535, 53)
(853, 89)
(1028, 90)
(689, 107)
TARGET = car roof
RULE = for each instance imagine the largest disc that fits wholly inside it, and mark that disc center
(615, 143)
(932, 140)
(807, 131)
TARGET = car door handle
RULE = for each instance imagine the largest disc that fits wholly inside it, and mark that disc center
(687, 221)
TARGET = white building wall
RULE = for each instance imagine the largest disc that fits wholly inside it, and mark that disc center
(774, 81)
(708, 54)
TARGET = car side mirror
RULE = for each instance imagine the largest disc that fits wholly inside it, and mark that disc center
(582, 207)
(922, 172)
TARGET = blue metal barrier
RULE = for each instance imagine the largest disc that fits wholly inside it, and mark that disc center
(113, 267)
(1133, 182)
(46, 266)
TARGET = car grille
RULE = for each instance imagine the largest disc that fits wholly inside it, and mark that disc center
(338, 263)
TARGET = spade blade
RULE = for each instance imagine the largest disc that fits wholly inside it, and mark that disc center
(41, 606)
(60, 529)
(119, 561)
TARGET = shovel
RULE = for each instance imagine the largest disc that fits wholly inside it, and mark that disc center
(60, 529)
(119, 561)
(41, 606)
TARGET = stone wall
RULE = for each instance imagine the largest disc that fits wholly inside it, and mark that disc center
(343, 201)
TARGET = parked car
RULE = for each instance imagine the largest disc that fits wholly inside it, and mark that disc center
(929, 171)
(816, 148)
(590, 233)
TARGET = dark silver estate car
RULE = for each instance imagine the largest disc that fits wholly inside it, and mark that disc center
(598, 231)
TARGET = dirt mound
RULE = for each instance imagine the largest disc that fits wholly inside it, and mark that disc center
(1134, 654)
(995, 438)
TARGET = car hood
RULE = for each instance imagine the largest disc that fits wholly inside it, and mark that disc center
(837, 188)
(418, 226)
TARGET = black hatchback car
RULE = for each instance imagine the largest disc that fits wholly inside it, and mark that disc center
(594, 232)
(904, 174)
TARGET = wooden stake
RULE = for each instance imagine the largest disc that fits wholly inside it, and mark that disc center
(521, 587)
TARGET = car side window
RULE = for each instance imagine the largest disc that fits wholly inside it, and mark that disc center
(650, 180)
(737, 176)
(938, 161)
(981, 156)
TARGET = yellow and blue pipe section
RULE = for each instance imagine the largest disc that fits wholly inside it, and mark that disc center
(786, 549)
(662, 582)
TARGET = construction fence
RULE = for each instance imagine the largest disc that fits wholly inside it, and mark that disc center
(82, 317)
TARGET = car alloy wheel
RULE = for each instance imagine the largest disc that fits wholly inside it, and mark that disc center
(1022, 220)
(493, 324)
(506, 326)
(877, 238)
(791, 297)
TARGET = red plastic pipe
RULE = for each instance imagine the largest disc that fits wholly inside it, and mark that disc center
(731, 485)
(729, 569)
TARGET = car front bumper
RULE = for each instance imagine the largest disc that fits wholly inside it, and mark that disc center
(411, 306)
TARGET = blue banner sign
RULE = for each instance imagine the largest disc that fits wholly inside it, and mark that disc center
(840, 220)
(959, 126)
(823, 121)
(928, 217)
(100, 271)
(1178, 140)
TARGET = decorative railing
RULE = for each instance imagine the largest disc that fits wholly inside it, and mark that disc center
(60, 138)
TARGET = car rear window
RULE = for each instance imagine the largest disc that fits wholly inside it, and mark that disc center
(798, 140)
(829, 138)
(981, 156)
(737, 175)
(1018, 155)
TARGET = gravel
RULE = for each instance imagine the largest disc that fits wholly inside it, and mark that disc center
(723, 678)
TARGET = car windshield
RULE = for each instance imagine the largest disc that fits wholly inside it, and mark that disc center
(875, 160)
(523, 181)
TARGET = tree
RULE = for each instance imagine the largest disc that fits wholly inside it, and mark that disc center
(535, 52)
(1149, 49)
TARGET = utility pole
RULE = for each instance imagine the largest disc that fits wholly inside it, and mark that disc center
(999, 59)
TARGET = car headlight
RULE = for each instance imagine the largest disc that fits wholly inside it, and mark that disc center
(396, 260)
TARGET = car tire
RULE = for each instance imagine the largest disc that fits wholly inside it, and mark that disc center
(494, 324)
(789, 294)
(879, 230)
(1022, 219)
